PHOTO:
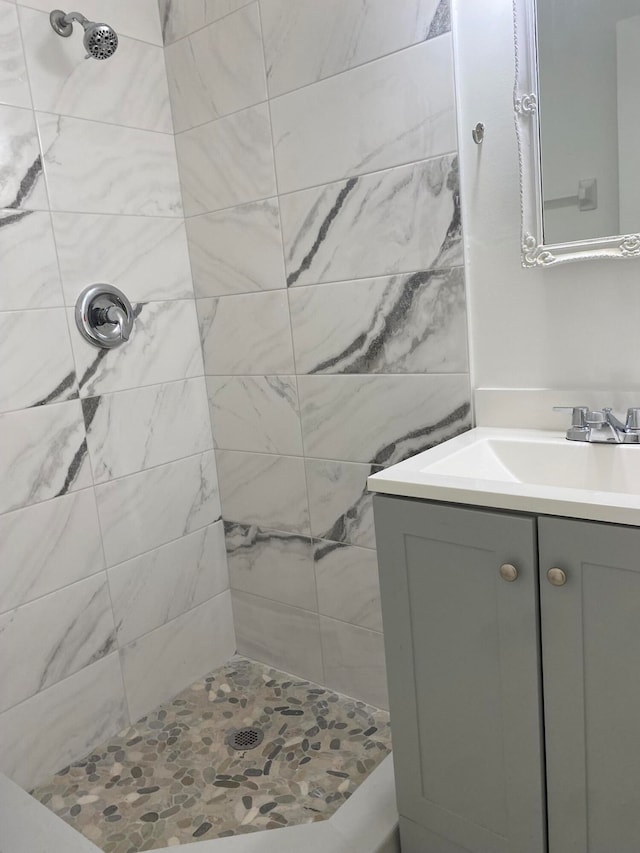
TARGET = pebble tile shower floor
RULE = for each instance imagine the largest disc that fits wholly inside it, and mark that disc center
(173, 779)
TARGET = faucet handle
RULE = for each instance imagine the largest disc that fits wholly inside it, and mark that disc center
(633, 419)
(578, 415)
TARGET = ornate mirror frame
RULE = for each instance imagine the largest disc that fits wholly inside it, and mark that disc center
(525, 104)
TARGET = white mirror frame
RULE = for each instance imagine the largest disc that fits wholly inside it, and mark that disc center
(525, 104)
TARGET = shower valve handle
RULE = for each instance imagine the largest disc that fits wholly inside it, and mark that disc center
(104, 316)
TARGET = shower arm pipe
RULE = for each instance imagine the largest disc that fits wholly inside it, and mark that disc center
(75, 17)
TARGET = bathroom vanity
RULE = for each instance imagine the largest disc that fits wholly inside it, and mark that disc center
(511, 605)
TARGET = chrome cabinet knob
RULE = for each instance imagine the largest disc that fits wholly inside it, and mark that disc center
(556, 577)
(508, 573)
(104, 316)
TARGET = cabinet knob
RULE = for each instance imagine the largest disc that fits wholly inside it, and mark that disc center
(508, 573)
(557, 577)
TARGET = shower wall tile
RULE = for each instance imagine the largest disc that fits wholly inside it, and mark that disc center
(180, 19)
(354, 661)
(30, 279)
(14, 85)
(187, 647)
(58, 635)
(256, 413)
(242, 168)
(415, 323)
(146, 510)
(66, 549)
(346, 230)
(205, 79)
(249, 334)
(62, 81)
(238, 250)
(135, 430)
(139, 20)
(44, 454)
(87, 172)
(286, 638)
(37, 364)
(22, 180)
(306, 41)
(151, 590)
(146, 257)
(381, 419)
(62, 724)
(348, 587)
(331, 130)
(164, 347)
(271, 564)
(340, 506)
(263, 490)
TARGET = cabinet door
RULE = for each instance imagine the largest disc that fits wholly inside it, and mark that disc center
(591, 663)
(462, 652)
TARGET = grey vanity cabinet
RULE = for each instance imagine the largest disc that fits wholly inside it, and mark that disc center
(477, 663)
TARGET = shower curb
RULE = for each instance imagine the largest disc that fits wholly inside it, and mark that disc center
(366, 823)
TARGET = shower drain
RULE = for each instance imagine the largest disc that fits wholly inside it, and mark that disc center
(243, 739)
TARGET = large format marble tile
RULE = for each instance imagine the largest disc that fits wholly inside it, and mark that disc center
(139, 19)
(134, 430)
(29, 279)
(381, 419)
(44, 454)
(146, 510)
(284, 637)
(49, 546)
(158, 665)
(180, 18)
(263, 490)
(347, 583)
(151, 590)
(238, 250)
(306, 40)
(401, 220)
(271, 564)
(255, 413)
(62, 724)
(57, 635)
(131, 90)
(354, 662)
(248, 334)
(415, 323)
(217, 70)
(14, 86)
(21, 176)
(227, 162)
(146, 257)
(164, 347)
(332, 130)
(340, 506)
(92, 167)
(37, 364)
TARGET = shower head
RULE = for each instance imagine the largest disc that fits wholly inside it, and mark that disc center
(100, 40)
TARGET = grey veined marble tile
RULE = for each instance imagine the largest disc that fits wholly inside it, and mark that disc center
(180, 18)
(306, 41)
(400, 220)
(217, 70)
(332, 130)
(340, 505)
(414, 323)
(44, 454)
(30, 279)
(354, 661)
(381, 419)
(21, 175)
(57, 635)
(347, 582)
(14, 86)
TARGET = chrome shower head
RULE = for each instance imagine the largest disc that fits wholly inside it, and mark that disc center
(100, 40)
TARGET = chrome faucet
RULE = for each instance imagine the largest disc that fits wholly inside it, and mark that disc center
(601, 426)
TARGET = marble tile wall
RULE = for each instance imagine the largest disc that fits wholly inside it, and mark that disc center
(114, 586)
(317, 149)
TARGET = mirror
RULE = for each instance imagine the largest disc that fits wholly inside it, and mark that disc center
(578, 124)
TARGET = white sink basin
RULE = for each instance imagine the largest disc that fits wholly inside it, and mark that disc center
(527, 470)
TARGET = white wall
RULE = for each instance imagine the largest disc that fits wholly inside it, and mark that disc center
(576, 324)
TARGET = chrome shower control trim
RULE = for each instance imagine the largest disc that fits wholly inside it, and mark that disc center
(104, 316)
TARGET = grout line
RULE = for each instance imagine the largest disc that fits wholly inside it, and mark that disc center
(206, 25)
